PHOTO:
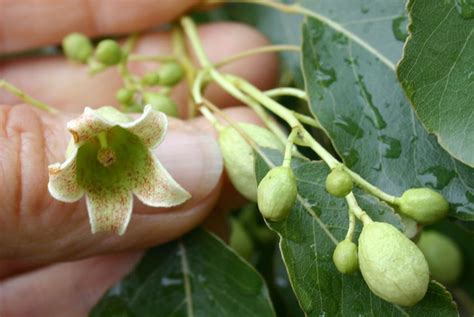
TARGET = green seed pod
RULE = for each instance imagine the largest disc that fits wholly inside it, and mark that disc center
(151, 78)
(161, 103)
(240, 240)
(276, 193)
(125, 96)
(77, 47)
(345, 257)
(392, 265)
(424, 205)
(170, 73)
(239, 157)
(338, 183)
(108, 52)
(443, 256)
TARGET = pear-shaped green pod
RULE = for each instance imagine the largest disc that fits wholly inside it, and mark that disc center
(239, 157)
(161, 102)
(170, 73)
(392, 265)
(77, 47)
(108, 52)
(277, 193)
(443, 256)
(125, 96)
(240, 239)
(424, 205)
(338, 183)
(345, 257)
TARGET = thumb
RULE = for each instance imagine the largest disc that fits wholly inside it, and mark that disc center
(35, 227)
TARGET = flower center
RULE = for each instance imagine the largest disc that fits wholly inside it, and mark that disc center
(106, 156)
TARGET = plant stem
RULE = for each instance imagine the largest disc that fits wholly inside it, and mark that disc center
(255, 51)
(352, 222)
(289, 148)
(356, 210)
(287, 91)
(307, 120)
(368, 187)
(210, 117)
(190, 29)
(26, 98)
(180, 51)
(151, 58)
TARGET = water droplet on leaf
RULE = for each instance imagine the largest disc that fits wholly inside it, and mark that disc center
(437, 177)
(392, 147)
(325, 76)
(350, 126)
(399, 28)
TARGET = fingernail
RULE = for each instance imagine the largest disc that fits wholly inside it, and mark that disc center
(193, 159)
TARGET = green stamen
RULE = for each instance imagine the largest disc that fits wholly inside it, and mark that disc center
(102, 137)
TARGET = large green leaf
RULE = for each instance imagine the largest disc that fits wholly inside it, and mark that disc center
(437, 71)
(361, 105)
(194, 276)
(382, 24)
(308, 238)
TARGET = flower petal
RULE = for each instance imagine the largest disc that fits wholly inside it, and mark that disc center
(62, 183)
(109, 211)
(150, 127)
(88, 125)
(157, 188)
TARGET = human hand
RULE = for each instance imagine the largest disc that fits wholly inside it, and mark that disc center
(37, 231)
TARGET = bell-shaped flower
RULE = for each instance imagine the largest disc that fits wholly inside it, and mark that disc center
(110, 159)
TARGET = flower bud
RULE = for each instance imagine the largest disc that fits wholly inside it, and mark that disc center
(392, 265)
(151, 78)
(424, 205)
(125, 96)
(345, 257)
(443, 256)
(161, 103)
(240, 240)
(239, 157)
(277, 193)
(170, 73)
(108, 52)
(338, 183)
(77, 47)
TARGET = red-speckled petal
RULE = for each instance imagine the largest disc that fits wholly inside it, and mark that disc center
(88, 125)
(150, 127)
(157, 188)
(62, 183)
(109, 210)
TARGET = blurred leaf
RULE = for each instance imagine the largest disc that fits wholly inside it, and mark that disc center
(197, 275)
(308, 238)
(437, 72)
(362, 107)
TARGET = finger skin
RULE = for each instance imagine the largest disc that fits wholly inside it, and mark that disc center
(65, 289)
(29, 23)
(68, 86)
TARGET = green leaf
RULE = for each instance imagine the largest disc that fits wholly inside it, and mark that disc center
(370, 20)
(363, 109)
(194, 276)
(437, 72)
(308, 239)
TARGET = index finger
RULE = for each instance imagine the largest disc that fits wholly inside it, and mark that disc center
(31, 23)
